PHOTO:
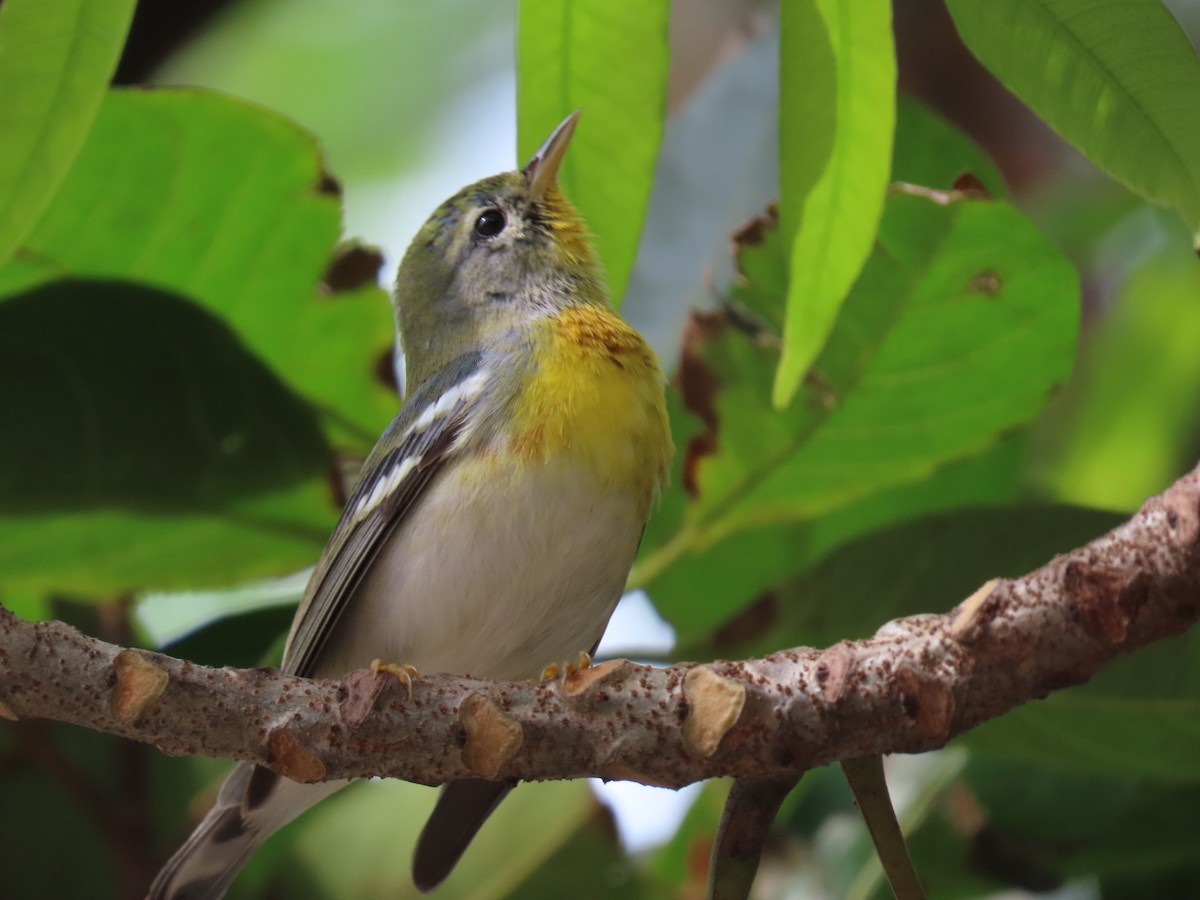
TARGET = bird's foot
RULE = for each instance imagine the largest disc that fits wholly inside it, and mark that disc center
(406, 673)
(555, 669)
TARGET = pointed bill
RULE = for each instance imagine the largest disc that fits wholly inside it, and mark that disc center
(542, 169)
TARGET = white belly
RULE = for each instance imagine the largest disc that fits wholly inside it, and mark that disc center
(503, 580)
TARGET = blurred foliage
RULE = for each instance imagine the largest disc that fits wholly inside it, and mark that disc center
(184, 388)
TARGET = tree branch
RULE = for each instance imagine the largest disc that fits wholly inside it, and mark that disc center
(917, 683)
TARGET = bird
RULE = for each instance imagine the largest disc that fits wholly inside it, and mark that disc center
(496, 520)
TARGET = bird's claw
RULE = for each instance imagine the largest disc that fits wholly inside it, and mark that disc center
(406, 673)
(567, 668)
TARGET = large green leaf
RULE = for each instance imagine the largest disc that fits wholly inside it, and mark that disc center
(730, 587)
(592, 846)
(56, 57)
(611, 61)
(922, 368)
(916, 376)
(837, 71)
(384, 820)
(1037, 830)
(1140, 717)
(49, 767)
(101, 552)
(932, 152)
(1116, 734)
(1137, 837)
(1120, 81)
(132, 397)
(199, 196)
(149, 447)
(227, 204)
(926, 565)
(697, 584)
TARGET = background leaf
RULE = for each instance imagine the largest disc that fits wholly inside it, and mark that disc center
(1113, 440)
(389, 815)
(923, 565)
(700, 579)
(727, 592)
(210, 422)
(153, 443)
(187, 195)
(228, 205)
(930, 151)
(611, 61)
(1044, 826)
(918, 372)
(56, 57)
(1120, 81)
(1138, 718)
(837, 76)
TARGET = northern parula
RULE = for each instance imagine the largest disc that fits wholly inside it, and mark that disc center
(497, 518)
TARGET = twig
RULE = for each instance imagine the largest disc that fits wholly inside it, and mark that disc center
(867, 780)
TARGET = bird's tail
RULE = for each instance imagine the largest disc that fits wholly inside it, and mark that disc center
(251, 805)
(462, 808)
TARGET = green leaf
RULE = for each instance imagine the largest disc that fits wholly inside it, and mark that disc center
(229, 637)
(1139, 717)
(1136, 836)
(919, 371)
(726, 591)
(295, 58)
(916, 376)
(932, 152)
(990, 478)
(1117, 437)
(591, 846)
(707, 584)
(386, 815)
(129, 396)
(110, 551)
(1115, 735)
(611, 61)
(48, 768)
(151, 449)
(56, 58)
(1120, 81)
(837, 70)
(202, 197)
(226, 204)
(926, 565)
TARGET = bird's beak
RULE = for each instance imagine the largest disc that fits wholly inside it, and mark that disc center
(542, 170)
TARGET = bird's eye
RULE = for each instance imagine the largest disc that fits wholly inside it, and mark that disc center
(490, 223)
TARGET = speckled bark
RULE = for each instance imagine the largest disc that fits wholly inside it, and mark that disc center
(912, 687)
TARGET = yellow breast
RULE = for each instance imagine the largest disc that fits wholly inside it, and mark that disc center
(596, 398)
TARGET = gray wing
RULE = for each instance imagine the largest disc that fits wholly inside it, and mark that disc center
(395, 480)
